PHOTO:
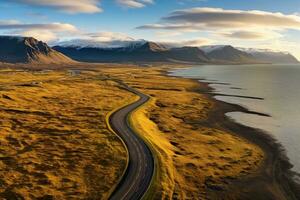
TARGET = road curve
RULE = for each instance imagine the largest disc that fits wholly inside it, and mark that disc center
(138, 175)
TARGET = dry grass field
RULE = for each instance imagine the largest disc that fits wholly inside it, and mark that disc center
(54, 140)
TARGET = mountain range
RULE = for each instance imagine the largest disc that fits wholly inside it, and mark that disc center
(268, 56)
(30, 50)
(142, 52)
(145, 51)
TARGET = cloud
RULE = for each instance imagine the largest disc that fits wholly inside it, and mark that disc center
(251, 35)
(68, 6)
(167, 34)
(220, 18)
(43, 35)
(232, 25)
(13, 24)
(104, 36)
(228, 23)
(81, 6)
(45, 32)
(134, 3)
(192, 43)
(99, 39)
(168, 26)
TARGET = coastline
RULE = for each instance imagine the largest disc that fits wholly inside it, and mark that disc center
(274, 178)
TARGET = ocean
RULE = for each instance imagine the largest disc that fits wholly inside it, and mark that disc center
(276, 89)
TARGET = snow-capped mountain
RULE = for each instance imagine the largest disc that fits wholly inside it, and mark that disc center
(82, 43)
(210, 48)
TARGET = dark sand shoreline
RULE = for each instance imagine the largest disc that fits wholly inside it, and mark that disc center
(274, 179)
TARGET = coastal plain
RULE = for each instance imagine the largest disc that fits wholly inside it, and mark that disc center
(55, 142)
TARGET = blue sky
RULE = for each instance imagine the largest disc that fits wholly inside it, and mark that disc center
(271, 24)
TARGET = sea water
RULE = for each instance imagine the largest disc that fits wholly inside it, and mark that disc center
(277, 88)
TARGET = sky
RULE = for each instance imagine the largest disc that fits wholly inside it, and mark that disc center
(267, 24)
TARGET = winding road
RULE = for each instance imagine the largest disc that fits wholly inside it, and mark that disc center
(138, 175)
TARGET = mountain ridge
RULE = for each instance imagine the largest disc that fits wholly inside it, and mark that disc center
(271, 56)
(156, 52)
(147, 52)
(259, 55)
(29, 50)
(228, 53)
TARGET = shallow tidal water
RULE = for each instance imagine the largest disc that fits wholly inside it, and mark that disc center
(277, 88)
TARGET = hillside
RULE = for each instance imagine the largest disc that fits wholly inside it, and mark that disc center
(188, 54)
(269, 56)
(29, 50)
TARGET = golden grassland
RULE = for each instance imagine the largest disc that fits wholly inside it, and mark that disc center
(54, 139)
(55, 143)
(195, 155)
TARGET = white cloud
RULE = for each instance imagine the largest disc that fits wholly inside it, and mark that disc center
(259, 24)
(99, 39)
(43, 35)
(82, 6)
(68, 6)
(134, 3)
(220, 18)
(45, 32)
(167, 34)
(13, 24)
(197, 18)
(246, 28)
(197, 42)
(105, 36)
(251, 35)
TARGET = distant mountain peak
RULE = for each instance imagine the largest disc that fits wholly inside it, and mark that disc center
(210, 48)
(152, 46)
(227, 53)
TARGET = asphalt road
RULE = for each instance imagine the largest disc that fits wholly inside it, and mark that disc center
(140, 170)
